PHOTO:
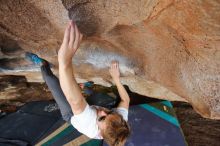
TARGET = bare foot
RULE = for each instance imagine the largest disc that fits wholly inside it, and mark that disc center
(114, 71)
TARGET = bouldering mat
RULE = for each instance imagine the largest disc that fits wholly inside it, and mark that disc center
(154, 124)
(40, 123)
(30, 123)
(67, 135)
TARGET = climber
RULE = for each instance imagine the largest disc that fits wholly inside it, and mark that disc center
(93, 121)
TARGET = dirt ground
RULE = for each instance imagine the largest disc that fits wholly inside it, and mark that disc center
(198, 131)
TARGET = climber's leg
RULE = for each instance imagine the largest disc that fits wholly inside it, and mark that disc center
(54, 86)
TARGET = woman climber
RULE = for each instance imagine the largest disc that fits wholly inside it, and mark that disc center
(93, 121)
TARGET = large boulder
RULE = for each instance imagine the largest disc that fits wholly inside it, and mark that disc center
(166, 49)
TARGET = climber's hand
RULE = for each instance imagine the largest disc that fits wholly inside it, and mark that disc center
(114, 71)
(71, 42)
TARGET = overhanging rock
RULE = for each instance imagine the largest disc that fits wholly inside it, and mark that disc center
(166, 49)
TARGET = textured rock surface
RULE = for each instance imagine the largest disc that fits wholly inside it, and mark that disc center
(167, 49)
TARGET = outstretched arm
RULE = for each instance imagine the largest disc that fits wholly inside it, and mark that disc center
(114, 72)
(71, 42)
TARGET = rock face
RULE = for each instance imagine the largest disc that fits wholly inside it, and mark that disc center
(166, 49)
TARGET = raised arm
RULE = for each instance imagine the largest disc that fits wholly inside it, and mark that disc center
(115, 73)
(71, 90)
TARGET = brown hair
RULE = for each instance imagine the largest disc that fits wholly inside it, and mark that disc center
(117, 130)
